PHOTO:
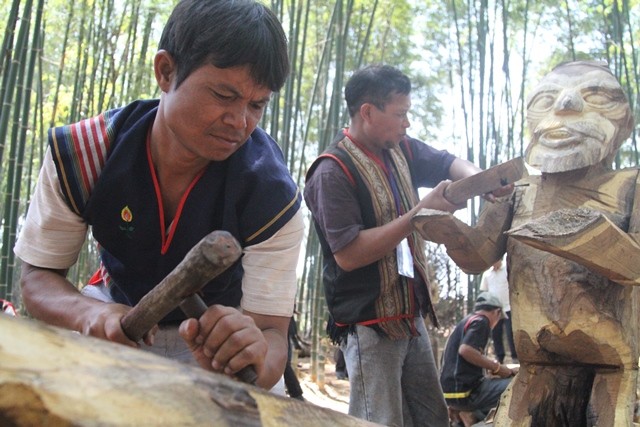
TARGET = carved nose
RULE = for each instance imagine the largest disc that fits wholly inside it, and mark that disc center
(569, 102)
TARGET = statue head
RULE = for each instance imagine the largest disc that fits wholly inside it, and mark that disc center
(578, 116)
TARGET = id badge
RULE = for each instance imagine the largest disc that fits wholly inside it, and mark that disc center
(405, 259)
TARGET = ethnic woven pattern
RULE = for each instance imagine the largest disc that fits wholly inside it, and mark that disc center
(395, 304)
(81, 151)
(410, 199)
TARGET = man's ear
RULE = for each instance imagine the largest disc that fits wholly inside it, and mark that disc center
(365, 111)
(164, 68)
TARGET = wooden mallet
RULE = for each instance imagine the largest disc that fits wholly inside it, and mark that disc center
(212, 255)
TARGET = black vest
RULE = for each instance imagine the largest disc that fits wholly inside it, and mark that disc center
(251, 195)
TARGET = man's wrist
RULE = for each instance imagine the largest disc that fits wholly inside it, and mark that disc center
(497, 368)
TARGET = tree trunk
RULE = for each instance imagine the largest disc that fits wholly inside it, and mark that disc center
(569, 321)
(50, 376)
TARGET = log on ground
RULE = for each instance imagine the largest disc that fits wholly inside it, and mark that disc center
(55, 377)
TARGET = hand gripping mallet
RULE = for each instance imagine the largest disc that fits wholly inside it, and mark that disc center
(211, 256)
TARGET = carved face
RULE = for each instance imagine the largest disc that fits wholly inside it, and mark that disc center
(578, 116)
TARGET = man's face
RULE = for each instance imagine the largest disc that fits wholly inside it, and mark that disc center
(389, 126)
(213, 112)
(577, 116)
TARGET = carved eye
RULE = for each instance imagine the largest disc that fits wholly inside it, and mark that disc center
(602, 99)
(542, 102)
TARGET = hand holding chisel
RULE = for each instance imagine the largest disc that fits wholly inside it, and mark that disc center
(207, 259)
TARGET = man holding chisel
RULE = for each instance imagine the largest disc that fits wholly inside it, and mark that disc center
(154, 178)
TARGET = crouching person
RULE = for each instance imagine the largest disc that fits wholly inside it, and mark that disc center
(469, 393)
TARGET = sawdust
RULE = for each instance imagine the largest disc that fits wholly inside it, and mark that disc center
(564, 222)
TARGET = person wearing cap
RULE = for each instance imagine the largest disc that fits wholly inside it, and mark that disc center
(467, 389)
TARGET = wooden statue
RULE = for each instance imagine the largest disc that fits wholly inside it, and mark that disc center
(571, 238)
(54, 377)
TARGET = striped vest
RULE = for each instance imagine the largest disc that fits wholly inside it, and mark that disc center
(105, 176)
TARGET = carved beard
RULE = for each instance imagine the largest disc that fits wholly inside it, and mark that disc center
(557, 147)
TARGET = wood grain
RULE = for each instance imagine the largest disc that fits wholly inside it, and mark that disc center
(54, 377)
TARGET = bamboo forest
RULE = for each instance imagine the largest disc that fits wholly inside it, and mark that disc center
(471, 63)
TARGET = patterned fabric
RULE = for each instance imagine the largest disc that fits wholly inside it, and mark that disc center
(80, 151)
(395, 310)
(91, 140)
(105, 168)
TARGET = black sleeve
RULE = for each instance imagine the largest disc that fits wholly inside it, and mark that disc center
(477, 334)
(429, 166)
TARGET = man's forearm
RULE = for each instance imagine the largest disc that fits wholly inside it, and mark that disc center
(476, 358)
(50, 297)
(461, 168)
(373, 244)
(276, 358)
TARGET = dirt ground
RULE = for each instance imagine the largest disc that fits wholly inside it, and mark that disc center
(335, 393)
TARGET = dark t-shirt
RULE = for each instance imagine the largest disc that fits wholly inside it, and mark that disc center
(457, 374)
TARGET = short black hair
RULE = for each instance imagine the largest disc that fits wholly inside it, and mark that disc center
(227, 33)
(375, 84)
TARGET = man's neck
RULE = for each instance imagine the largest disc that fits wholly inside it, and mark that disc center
(360, 137)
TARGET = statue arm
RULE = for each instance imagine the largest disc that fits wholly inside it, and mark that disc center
(473, 249)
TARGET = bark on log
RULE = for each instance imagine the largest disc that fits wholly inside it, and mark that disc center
(54, 377)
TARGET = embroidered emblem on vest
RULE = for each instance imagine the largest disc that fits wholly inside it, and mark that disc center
(127, 217)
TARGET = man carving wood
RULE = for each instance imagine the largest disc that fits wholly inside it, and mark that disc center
(151, 179)
(575, 312)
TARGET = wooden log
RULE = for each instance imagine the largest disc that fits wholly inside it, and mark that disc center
(565, 315)
(55, 377)
(485, 182)
(586, 237)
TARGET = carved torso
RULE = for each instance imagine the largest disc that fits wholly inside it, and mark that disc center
(565, 313)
